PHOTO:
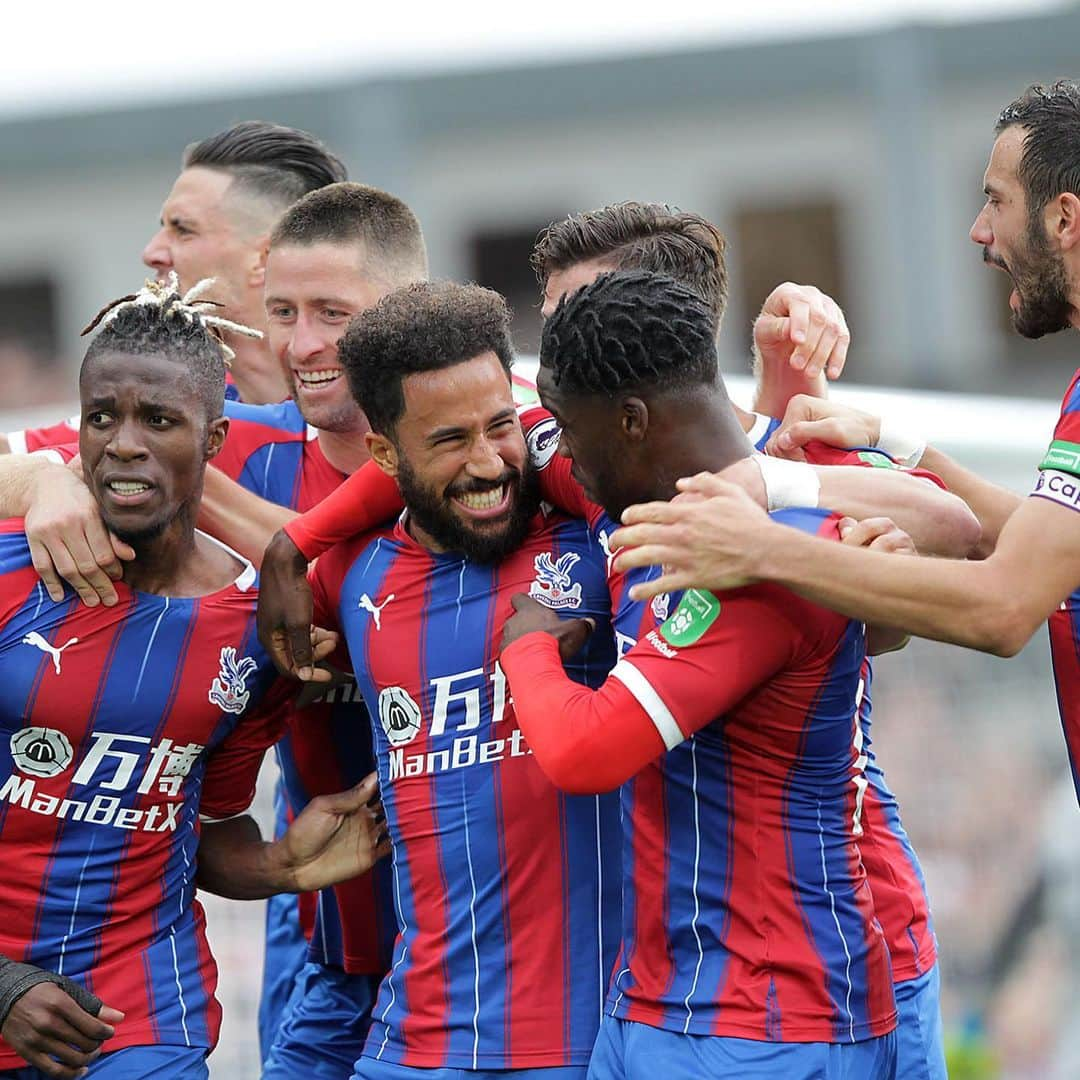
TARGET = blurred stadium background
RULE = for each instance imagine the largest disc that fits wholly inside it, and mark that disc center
(848, 159)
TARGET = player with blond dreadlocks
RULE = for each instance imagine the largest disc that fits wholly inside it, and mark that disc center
(120, 725)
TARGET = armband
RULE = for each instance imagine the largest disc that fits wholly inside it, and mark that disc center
(16, 979)
(904, 446)
(788, 483)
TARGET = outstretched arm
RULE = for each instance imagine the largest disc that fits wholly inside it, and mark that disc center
(334, 838)
(725, 540)
(810, 419)
(938, 522)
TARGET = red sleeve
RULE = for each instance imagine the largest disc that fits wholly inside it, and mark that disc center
(367, 499)
(557, 483)
(233, 768)
(703, 660)
(819, 453)
(31, 439)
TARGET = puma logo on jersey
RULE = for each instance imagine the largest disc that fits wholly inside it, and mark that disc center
(35, 639)
(369, 605)
(605, 547)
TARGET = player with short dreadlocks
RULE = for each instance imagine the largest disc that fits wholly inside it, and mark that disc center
(620, 337)
(120, 725)
(750, 944)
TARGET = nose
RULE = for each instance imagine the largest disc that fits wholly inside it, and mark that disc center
(485, 461)
(981, 233)
(305, 342)
(126, 443)
(156, 254)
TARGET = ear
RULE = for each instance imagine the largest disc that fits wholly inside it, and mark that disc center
(215, 436)
(257, 270)
(634, 419)
(1065, 221)
(383, 452)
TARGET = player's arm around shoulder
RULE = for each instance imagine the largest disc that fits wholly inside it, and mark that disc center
(67, 537)
(701, 659)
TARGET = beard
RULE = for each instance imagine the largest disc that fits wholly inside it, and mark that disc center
(434, 513)
(1041, 283)
(138, 537)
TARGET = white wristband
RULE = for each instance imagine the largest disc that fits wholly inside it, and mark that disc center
(788, 483)
(904, 446)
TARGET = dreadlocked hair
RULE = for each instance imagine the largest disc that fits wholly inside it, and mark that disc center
(182, 326)
(630, 329)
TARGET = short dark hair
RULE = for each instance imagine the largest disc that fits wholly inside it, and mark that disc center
(426, 326)
(348, 213)
(269, 161)
(629, 330)
(1050, 160)
(640, 236)
(164, 326)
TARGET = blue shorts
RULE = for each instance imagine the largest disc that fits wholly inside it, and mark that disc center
(324, 1025)
(629, 1051)
(137, 1063)
(920, 1042)
(285, 951)
(370, 1069)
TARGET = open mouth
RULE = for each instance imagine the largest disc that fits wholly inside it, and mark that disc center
(316, 380)
(999, 264)
(128, 492)
(491, 503)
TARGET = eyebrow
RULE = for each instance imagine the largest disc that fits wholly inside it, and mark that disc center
(320, 301)
(444, 432)
(143, 406)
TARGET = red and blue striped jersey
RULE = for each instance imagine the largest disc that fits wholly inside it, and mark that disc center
(507, 890)
(271, 450)
(746, 907)
(896, 877)
(1059, 481)
(118, 726)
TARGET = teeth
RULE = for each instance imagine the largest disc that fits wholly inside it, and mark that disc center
(318, 378)
(128, 487)
(482, 500)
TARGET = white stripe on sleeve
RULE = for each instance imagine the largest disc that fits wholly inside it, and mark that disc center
(650, 701)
